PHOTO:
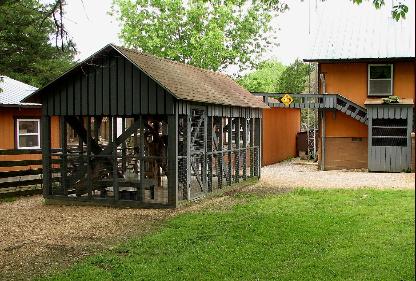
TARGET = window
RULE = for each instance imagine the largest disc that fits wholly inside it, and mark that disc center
(28, 134)
(380, 79)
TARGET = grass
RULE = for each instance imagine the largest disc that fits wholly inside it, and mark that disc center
(301, 235)
(7, 199)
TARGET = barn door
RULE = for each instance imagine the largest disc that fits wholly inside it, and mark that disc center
(198, 147)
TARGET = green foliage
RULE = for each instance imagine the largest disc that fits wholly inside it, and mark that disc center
(359, 234)
(264, 79)
(209, 34)
(26, 53)
(399, 11)
(295, 77)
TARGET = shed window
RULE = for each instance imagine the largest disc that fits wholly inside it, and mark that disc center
(28, 133)
(380, 79)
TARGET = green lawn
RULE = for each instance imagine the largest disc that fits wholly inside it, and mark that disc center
(301, 235)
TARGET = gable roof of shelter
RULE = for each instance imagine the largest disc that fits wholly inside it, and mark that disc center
(183, 81)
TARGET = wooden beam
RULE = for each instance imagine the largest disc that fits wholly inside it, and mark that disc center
(209, 156)
(230, 146)
(64, 146)
(245, 148)
(46, 154)
(237, 155)
(115, 164)
(173, 160)
(89, 170)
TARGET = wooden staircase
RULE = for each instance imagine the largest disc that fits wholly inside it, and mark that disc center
(318, 101)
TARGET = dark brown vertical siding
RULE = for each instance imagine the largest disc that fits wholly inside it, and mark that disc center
(113, 86)
(77, 95)
(84, 94)
(110, 86)
(152, 96)
(64, 99)
(91, 92)
(144, 99)
(136, 91)
(128, 87)
(120, 94)
(99, 89)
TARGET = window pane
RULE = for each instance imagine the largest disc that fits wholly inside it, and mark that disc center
(380, 72)
(28, 141)
(380, 87)
(28, 127)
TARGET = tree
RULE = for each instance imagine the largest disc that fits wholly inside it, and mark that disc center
(264, 79)
(26, 51)
(294, 79)
(211, 34)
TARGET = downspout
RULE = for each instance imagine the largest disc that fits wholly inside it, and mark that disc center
(323, 83)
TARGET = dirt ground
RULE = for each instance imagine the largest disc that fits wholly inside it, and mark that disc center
(36, 238)
(297, 173)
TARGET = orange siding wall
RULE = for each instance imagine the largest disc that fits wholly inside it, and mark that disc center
(350, 80)
(280, 126)
(8, 132)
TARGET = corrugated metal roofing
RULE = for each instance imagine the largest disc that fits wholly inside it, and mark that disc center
(191, 83)
(13, 91)
(362, 32)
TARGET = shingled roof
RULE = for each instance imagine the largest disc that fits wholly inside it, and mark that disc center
(186, 82)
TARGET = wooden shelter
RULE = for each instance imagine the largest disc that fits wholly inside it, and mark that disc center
(138, 130)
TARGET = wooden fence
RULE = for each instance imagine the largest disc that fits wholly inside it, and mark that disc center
(20, 172)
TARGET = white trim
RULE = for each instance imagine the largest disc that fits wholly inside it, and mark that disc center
(383, 79)
(18, 134)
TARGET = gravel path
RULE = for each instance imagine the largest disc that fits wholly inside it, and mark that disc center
(297, 173)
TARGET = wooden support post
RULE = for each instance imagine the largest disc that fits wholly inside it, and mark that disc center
(46, 155)
(115, 164)
(188, 156)
(323, 140)
(257, 143)
(409, 138)
(237, 153)
(209, 155)
(244, 120)
(80, 140)
(251, 147)
(123, 145)
(64, 163)
(89, 162)
(204, 156)
(141, 157)
(230, 147)
(173, 160)
(220, 155)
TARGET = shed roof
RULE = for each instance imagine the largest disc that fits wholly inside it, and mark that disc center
(13, 91)
(183, 81)
(354, 32)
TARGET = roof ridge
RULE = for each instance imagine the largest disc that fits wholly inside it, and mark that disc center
(172, 61)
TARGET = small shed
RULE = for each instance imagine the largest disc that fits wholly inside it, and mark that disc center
(389, 135)
(142, 131)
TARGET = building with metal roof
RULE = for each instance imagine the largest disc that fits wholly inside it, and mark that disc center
(13, 91)
(365, 57)
(361, 32)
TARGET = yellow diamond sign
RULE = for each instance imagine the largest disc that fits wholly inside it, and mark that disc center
(286, 100)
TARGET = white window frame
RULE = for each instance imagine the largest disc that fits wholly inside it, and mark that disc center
(18, 134)
(391, 79)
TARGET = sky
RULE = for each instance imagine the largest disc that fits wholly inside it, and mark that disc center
(91, 27)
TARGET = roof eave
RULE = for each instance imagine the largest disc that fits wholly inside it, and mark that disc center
(361, 59)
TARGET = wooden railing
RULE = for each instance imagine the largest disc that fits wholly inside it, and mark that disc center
(20, 172)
